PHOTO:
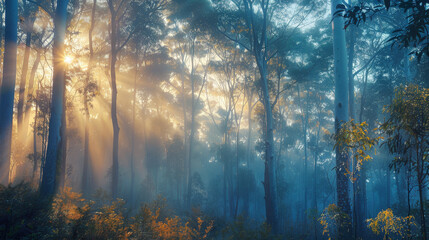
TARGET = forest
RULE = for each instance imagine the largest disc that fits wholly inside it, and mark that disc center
(214, 119)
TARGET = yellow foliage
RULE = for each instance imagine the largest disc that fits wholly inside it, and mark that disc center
(66, 205)
(390, 225)
(354, 138)
(331, 218)
(172, 228)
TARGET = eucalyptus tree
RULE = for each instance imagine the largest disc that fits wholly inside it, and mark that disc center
(407, 129)
(88, 93)
(7, 90)
(29, 16)
(187, 47)
(341, 116)
(120, 35)
(230, 69)
(253, 20)
(54, 151)
(149, 57)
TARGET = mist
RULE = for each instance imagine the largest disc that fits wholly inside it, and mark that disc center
(199, 119)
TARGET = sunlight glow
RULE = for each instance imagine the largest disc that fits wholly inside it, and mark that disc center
(68, 59)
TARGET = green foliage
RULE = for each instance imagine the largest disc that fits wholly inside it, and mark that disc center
(23, 215)
(391, 226)
(408, 125)
(413, 34)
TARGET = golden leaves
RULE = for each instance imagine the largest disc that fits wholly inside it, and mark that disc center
(354, 138)
(390, 225)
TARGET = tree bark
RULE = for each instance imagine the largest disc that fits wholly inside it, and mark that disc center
(31, 88)
(7, 90)
(54, 152)
(113, 110)
(86, 176)
(133, 136)
(28, 23)
(341, 116)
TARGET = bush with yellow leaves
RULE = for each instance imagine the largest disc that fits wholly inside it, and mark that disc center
(149, 225)
(391, 226)
(331, 218)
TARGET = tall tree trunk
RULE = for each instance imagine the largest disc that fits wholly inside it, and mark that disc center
(31, 88)
(62, 161)
(341, 116)
(35, 154)
(421, 171)
(113, 110)
(316, 156)
(7, 90)
(54, 152)
(191, 135)
(115, 154)
(133, 136)
(259, 43)
(361, 199)
(270, 185)
(28, 25)
(185, 136)
(86, 176)
(388, 186)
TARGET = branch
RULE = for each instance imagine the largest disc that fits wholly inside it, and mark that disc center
(235, 40)
(367, 63)
(42, 7)
(126, 40)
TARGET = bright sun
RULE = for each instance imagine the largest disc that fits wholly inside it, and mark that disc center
(68, 59)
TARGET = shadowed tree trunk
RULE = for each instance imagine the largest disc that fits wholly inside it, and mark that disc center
(28, 25)
(113, 114)
(7, 90)
(54, 151)
(31, 88)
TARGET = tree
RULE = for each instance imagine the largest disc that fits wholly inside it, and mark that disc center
(118, 16)
(87, 95)
(341, 116)
(256, 16)
(413, 34)
(54, 151)
(407, 129)
(30, 11)
(7, 90)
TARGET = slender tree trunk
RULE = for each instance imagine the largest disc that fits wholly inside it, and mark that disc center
(7, 90)
(185, 134)
(28, 26)
(23, 80)
(31, 87)
(113, 111)
(35, 154)
(420, 181)
(191, 135)
(341, 116)
(316, 156)
(133, 132)
(54, 140)
(388, 185)
(62, 160)
(86, 176)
